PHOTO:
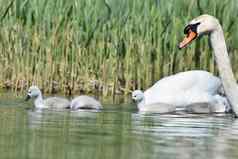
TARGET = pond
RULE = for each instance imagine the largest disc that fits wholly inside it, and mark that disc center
(117, 132)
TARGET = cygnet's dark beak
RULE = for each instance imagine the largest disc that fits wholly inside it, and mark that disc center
(134, 100)
(27, 97)
(68, 107)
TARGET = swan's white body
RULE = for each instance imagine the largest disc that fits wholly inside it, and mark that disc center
(50, 102)
(206, 24)
(183, 89)
(85, 102)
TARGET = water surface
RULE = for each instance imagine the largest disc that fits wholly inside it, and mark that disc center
(117, 132)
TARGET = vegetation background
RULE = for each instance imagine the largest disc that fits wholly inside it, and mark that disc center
(105, 46)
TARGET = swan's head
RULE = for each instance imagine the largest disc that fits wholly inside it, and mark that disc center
(33, 92)
(204, 24)
(137, 95)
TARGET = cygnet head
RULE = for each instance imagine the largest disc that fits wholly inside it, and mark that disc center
(33, 92)
(204, 24)
(137, 96)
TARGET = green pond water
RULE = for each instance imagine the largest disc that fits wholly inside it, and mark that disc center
(117, 132)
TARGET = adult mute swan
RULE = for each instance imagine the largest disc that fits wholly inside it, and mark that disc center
(85, 102)
(209, 25)
(51, 102)
(192, 90)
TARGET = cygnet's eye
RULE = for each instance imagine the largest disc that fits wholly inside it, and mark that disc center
(29, 92)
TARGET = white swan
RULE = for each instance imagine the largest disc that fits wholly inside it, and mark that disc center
(191, 89)
(85, 102)
(51, 102)
(207, 24)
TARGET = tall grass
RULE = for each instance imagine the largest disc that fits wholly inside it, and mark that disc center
(106, 46)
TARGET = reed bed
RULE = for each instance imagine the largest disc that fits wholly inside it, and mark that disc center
(104, 46)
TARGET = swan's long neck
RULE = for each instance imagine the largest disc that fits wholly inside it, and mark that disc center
(141, 104)
(39, 103)
(224, 67)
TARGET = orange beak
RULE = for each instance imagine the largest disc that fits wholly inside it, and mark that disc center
(188, 39)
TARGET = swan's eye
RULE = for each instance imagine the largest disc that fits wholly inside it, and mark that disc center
(29, 92)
